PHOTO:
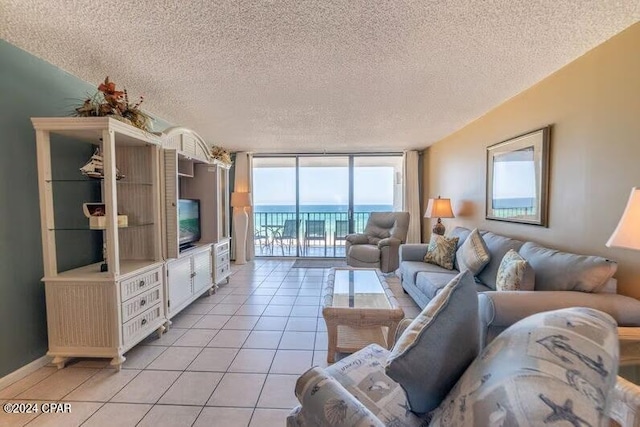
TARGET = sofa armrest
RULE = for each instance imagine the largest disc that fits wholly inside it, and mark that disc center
(389, 241)
(315, 390)
(504, 308)
(402, 326)
(357, 239)
(413, 251)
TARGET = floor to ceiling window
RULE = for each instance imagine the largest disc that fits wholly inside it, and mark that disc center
(304, 206)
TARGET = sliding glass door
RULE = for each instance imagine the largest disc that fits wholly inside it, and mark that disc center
(305, 206)
(324, 204)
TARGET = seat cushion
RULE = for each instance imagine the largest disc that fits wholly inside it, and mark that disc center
(365, 253)
(438, 345)
(473, 254)
(562, 271)
(430, 283)
(409, 270)
(552, 368)
(498, 246)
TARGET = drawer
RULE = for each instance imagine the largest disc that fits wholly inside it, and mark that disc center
(221, 247)
(140, 283)
(222, 258)
(140, 303)
(222, 271)
(142, 325)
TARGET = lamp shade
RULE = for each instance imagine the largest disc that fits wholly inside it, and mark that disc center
(439, 208)
(627, 233)
(240, 199)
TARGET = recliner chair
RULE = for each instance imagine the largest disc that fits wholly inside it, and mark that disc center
(378, 246)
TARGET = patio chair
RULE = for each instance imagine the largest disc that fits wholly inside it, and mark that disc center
(261, 240)
(314, 230)
(289, 234)
(340, 233)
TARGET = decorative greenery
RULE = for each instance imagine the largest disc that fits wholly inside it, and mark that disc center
(109, 102)
(221, 154)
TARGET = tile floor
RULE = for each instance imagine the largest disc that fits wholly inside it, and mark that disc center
(229, 360)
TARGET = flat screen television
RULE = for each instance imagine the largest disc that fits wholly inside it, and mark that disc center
(188, 222)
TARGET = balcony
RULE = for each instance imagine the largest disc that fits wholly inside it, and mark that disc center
(318, 234)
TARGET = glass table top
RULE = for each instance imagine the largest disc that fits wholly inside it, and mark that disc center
(358, 289)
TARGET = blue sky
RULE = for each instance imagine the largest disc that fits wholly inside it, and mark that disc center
(323, 186)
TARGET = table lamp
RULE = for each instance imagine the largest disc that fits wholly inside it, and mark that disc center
(439, 208)
(627, 233)
(240, 201)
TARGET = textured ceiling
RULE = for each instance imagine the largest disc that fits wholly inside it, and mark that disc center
(309, 76)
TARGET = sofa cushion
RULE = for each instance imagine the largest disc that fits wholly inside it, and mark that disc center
(365, 253)
(515, 273)
(498, 246)
(461, 233)
(409, 270)
(436, 348)
(473, 254)
(442, 251)
(562, 271)
(430, 283)
(552, 368)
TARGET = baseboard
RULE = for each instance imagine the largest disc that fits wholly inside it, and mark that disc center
(19, 374)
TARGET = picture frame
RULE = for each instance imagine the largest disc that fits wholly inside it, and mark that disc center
(518, 179)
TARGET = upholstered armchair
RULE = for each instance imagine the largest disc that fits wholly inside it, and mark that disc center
(378, 246)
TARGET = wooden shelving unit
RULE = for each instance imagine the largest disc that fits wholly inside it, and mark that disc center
(189, 172)
(90, 312)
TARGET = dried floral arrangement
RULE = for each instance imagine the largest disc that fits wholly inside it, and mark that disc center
(114, 103)
(221, 154)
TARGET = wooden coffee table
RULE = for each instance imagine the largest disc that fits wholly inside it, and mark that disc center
(359, 309)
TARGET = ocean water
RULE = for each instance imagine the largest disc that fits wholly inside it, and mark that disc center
(321, 208)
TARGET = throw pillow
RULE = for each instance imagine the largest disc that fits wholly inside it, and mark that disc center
(515, 273)
(473, 254)
(436, 348)
(550, 369)
(441, 251)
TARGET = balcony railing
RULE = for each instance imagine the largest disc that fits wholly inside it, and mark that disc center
(319, 234)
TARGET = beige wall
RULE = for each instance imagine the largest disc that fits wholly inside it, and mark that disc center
(594, 106)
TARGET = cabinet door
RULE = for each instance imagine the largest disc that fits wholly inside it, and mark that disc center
(202, 271)
(179, 280)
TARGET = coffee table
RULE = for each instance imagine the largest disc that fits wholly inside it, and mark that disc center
(359, 309)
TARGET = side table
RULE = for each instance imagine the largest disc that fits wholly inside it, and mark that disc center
(625, 407)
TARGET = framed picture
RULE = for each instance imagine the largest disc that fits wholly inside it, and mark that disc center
(518, 178)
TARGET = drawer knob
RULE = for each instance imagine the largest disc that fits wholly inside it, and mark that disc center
(144, 322)
(143, 302)
(141, 284)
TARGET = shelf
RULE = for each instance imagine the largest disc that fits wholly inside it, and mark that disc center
(97, 181)
(86, 228)
(122, 182)
(92, 271)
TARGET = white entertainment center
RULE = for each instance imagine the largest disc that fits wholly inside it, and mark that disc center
(148, 280)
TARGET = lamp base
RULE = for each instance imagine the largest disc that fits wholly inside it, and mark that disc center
(240, 221)
(438, 228)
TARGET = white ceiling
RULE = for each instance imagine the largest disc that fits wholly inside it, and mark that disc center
(316, 75)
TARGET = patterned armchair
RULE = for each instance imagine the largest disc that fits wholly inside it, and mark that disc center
(557, 367)
(378, 246)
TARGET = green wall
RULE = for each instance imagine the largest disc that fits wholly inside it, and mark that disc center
(31, 87)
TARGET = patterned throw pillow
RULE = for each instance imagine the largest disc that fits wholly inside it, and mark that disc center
(438, 345)
(473, 254)
(515, 273)
(442, 251)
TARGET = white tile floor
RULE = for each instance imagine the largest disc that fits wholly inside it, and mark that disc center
(231, 359)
